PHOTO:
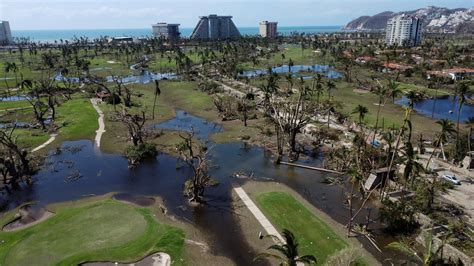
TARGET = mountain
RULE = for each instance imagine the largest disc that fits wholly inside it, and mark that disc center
(435, 19)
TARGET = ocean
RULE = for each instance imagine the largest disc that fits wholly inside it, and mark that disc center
(52, 35)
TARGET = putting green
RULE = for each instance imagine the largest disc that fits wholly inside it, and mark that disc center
(101, 231)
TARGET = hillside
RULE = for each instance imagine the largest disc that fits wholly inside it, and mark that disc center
(435, 19)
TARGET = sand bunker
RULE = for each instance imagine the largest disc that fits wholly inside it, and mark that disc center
(361, 91)
(27, 216)
(135, 199)
(157, 259)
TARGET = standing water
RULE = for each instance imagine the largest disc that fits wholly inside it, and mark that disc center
(80, 170)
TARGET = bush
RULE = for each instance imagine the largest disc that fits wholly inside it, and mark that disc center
(113, 99)
(399, 216)
(136, 154)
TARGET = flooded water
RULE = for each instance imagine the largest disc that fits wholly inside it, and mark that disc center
(443, 108)
(80, 170)
(15, 124)
(145, 77)
(13, 98)
(186, 122)
(298, 70)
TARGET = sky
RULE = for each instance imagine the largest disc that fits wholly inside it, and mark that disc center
(110, 14)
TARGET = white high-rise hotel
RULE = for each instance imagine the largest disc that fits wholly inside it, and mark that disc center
(403, 30)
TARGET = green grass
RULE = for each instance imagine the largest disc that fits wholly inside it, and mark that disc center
(430, 92)
(314, 236)
(80, 119)
(102, 231)
(299, 57)
(77, 119)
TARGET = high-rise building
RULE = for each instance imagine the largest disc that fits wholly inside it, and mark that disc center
(5, 33)
(165, 30)
(215, 27)
(268, 29)
(403, 30)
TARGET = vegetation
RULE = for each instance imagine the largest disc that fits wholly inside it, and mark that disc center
(77, 235)
(288, 250)
(314, 236)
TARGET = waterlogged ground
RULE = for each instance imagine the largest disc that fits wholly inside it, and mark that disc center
(79, 169)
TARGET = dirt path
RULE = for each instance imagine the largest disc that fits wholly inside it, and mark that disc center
(101, 129)
(49, 141)
(271, 230)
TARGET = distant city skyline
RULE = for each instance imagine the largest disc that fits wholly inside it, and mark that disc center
(118, 14)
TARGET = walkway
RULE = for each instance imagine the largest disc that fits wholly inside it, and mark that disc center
(49, 141)
(101, 129)
(257, 213)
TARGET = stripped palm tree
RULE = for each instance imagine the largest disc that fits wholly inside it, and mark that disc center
(361, 111)
(288, 251)
(447, 128)
(462, 92)
(432, 255)
(157, 93)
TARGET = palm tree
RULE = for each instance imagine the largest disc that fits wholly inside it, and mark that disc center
(356, 178)
(330, 87)
(470, 123)
(381, 92)
(462, 92)
(290, 65)
(393, 90)
(361, 111)
(317, 86)
(10, 67)
(412, 166)
(157, 93)
(431, 256)
(447, 128)
(288, 251)
(413, 97)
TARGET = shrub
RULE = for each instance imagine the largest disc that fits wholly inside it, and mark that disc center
(136, 154)
(399, 216)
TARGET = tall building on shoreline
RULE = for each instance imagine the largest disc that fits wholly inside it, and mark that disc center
(268, 29)
(5, 33)
(167, 31)
(404, 31)
(215, 27)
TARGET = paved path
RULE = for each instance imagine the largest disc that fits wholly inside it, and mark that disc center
(101, 129)
(257, 213)
(49, 141)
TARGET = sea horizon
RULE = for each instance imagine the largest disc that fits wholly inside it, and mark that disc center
(51, 35)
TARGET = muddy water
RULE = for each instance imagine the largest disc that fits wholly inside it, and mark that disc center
(81, 170)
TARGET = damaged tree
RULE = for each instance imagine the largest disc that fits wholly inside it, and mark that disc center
(14, 161)
(140, 149)
(194, 155)
(291, 113)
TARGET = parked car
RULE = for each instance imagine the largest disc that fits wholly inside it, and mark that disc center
(451, 178)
